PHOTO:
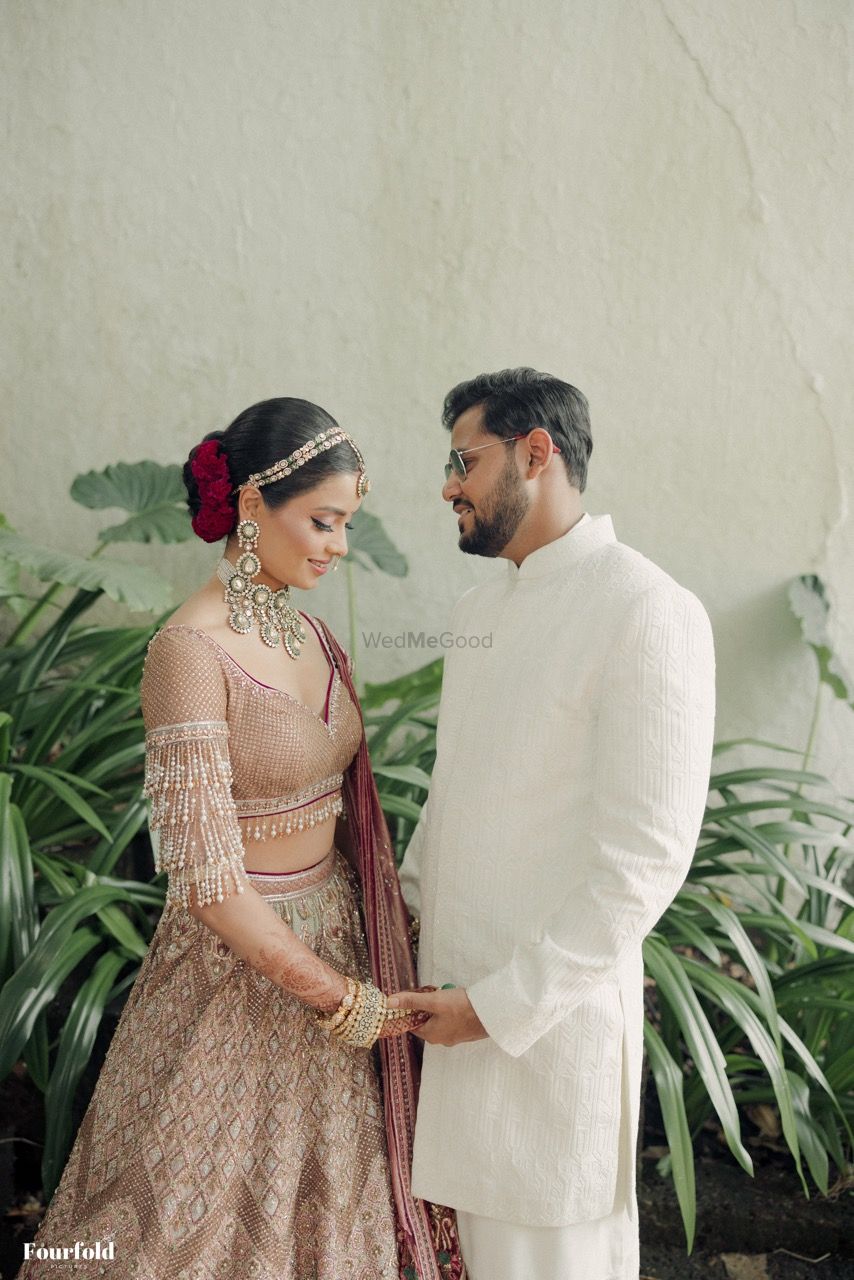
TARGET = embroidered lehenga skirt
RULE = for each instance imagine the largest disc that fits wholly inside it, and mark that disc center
(229, 1138)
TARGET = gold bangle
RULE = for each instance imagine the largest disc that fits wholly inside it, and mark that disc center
(351, 1015)
(329, 1021)
(363, 1027)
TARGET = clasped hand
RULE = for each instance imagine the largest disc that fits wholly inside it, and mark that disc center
(450, 1020)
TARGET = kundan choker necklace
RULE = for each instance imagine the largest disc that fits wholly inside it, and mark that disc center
(250, 602)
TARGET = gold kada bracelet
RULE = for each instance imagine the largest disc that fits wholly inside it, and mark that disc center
(361, 1015)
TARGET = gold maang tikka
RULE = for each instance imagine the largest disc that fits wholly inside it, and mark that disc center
(250, 602)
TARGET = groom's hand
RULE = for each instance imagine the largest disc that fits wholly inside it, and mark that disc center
(452, 1018)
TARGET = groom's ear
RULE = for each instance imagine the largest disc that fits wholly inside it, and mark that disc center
(541, 452)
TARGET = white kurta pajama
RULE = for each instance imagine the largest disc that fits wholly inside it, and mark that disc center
(570, 781)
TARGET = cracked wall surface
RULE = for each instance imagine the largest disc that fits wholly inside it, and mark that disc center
(208, 204)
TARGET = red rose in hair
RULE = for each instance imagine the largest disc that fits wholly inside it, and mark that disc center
(209, 468)
(217, 493)
(208, 463)
(211, 525)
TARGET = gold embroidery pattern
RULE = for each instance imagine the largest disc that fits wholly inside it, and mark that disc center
(291, 813)
(228, 1135)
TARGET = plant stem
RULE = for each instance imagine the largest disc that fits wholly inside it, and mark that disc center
(813, 728)
(808, 749)
(28, 622)
(351, 612)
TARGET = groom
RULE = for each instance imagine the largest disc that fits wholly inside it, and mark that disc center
(571, 775)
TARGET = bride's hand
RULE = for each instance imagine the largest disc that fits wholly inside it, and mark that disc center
(399, 1026)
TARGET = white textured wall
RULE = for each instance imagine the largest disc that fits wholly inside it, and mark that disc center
(363, 201)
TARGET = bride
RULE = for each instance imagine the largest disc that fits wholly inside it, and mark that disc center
(243, 1124)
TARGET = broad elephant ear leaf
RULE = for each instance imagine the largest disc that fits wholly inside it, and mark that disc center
(154, 493)
(129, 584)
(370, 545)
(810, 606)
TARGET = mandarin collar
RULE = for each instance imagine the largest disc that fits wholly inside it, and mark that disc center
(586, 535)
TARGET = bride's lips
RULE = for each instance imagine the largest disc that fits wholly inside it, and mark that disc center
(319, 566)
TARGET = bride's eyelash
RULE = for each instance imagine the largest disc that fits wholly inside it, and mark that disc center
(327, 528)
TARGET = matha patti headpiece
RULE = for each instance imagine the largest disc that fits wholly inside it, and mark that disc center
(326, 440)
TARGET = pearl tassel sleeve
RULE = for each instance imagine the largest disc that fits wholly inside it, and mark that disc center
(188, 782)
(188, 777)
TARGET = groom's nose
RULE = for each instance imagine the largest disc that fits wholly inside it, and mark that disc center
(451, 489)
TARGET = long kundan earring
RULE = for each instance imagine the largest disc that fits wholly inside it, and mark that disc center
(249, 602)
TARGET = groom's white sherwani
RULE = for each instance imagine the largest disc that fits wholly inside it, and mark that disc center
(570, 782)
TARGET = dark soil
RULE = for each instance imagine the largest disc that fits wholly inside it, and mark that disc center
(764, 1216)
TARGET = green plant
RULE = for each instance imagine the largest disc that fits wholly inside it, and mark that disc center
(402, 742)
(768, 886)
(71, 756)
(753, 987)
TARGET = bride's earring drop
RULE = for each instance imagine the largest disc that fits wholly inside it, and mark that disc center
(249, 602)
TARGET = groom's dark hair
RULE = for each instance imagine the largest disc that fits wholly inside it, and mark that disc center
(517, 400)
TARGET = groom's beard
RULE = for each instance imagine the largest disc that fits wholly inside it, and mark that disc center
(501, 513)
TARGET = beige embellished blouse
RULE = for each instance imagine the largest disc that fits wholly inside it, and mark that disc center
(230, 759)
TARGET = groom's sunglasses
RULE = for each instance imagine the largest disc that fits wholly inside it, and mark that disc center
(456, 462)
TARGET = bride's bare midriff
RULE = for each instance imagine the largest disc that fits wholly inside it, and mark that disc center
(289, 853)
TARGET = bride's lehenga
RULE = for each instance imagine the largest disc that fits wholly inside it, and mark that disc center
(228, 1135)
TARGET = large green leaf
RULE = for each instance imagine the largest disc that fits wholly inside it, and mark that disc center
(668, 1083)
(728, 744)
(140, 589)
(733, 928)
(51, 779)
(730, 996)
(369, 544)
(154, 493)
(810, 1135)
(425, 680)
(59, 948)
(765, 773)
(399, 806)
(388, 724)
(809, 603)
(403, 773)
(41, 654)
(9, 886)
(700, 1041)
(22, 1000)
(104, 857)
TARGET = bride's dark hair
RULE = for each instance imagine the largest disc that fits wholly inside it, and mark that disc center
(259, 436)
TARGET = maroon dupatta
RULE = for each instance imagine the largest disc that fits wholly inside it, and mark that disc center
(428, 1246)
